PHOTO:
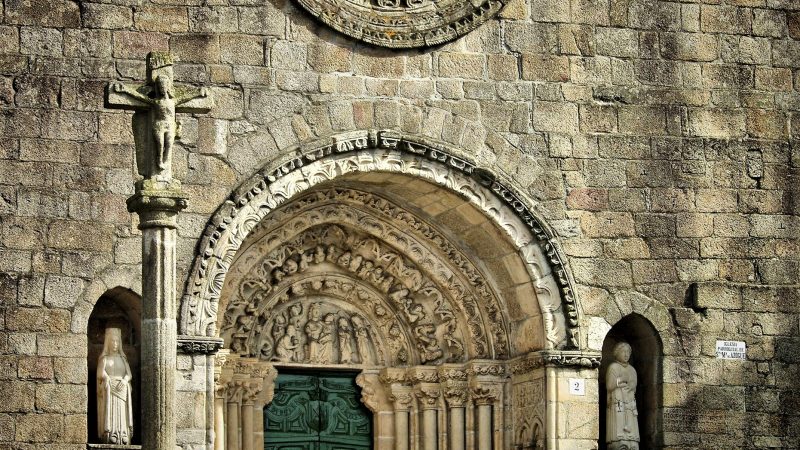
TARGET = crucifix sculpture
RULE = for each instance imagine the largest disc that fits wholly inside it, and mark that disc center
(155, 103)
(157, 200)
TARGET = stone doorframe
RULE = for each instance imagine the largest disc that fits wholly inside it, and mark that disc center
(480, 405)
(419, 397)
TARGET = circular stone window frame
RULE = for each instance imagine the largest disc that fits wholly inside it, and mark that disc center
(417, 24)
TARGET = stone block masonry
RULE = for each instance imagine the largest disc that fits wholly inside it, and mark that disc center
(660, 139)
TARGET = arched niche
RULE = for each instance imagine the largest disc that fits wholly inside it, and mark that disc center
(646, 358)
(122, 308)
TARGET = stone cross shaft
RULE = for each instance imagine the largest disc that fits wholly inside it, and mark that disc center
(157, 200)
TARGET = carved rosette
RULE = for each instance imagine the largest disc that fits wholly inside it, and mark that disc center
(403, 23)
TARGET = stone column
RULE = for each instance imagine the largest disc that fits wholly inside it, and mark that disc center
(402, 398)
(219, 400)
(455, 393)
(235, 391)
(484, 398)
(251, 391)
(219, 419)
(158, 204)
(428, 396)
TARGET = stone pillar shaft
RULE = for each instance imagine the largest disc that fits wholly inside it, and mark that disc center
(401, 429)
(232, 427)
(457, 431)
(219, 423)
(247, 426)
(159, 327)
(484, 427)
(430, 437)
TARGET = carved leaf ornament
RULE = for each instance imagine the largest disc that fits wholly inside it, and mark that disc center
(403, 23)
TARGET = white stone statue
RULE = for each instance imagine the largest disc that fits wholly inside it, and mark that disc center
(622, 427)
(114, 406)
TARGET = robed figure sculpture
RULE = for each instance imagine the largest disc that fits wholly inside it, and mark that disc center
(114, 406)
(622, 426)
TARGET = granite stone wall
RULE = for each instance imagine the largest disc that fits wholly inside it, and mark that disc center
(660, 139)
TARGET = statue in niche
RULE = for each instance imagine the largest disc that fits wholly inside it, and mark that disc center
(114, 405)
(362, 339)
(622, 426)
(345, 344)
(326, 338)
(286, 348)
(313, 331)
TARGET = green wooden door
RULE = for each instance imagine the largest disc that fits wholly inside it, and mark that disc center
(317, 411)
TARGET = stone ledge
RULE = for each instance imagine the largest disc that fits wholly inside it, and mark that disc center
(113, 447)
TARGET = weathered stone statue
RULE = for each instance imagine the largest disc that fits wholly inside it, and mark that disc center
(622, 427)
(362, 340)
(114, 406)
(313, 331)
(286, 348)
(345, 345)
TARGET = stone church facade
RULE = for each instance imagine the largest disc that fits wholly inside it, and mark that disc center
(441, 216)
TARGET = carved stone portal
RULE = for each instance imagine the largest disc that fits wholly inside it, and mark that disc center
(403, 23)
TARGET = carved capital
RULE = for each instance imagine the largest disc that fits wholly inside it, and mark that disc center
(455, 393)
(428, 395)
(157, 203)
(251, 390)
(485, 395)
(235, 390)
(402, 398)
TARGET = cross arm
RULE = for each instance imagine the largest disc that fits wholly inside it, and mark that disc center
(126, 96)
(193, 100)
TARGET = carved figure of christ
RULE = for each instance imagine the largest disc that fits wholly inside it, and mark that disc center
(154, 124)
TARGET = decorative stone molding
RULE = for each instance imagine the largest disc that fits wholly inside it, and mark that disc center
(588, 360)
(199, 345)
(398, 153)
(403, 23)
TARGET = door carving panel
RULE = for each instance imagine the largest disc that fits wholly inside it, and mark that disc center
(317, 411)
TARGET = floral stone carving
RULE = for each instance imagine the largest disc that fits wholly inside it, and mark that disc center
(403, 23)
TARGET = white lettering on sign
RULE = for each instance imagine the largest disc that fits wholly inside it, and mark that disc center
(731, 350)
(577, 386)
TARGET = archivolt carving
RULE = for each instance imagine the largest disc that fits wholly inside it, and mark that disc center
(383, 267)
(397, 288)
(399, 154)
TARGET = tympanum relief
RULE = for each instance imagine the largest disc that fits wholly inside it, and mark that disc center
(432, 309)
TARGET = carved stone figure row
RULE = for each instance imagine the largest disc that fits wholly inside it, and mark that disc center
(326, 335)
(423, 304)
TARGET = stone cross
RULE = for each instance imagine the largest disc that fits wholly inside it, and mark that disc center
(157, 200)
(155, 103)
